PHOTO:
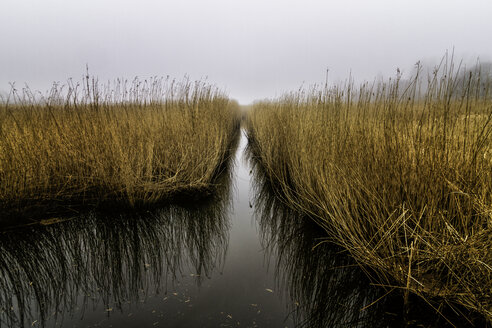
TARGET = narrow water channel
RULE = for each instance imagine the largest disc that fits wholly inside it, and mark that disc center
(198, 266)
(240, 259)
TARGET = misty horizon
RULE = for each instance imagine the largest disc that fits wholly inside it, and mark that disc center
(252, 50)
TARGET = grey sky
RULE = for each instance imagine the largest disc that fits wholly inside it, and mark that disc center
(252, 48)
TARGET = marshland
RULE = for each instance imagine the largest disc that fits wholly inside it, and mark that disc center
(162, 202)
(398, 174)
(250, 163)
(129, 143)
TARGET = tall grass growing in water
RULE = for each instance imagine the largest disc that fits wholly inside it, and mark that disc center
(399, 175)
(131, 142)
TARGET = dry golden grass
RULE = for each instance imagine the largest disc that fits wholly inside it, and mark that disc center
(136, 144)
(401, 179)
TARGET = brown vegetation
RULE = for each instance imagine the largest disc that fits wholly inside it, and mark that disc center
(134, 143)
(398, 176)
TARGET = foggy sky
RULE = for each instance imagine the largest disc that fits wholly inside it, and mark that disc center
(253, 49)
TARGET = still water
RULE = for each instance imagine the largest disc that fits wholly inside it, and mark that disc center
(193, 266)
(240, 259)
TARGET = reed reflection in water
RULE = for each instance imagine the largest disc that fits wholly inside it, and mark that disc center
(108, 260)
(326, 288)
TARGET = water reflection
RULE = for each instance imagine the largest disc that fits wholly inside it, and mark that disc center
(327, 289)
(107, 260)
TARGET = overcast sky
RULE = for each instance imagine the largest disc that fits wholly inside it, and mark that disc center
(253, 49)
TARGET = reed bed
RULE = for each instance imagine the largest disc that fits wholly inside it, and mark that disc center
(325, 285)
(134, 143)
(398, 173)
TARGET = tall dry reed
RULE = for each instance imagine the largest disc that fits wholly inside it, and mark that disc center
(132, 142)
(399, 174)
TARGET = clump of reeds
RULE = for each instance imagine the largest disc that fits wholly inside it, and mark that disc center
(133, 142)
(399, 173)
(49, 270)
(325, 285)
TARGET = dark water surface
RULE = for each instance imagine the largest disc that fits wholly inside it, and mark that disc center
(202, 266)
(239, 260)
